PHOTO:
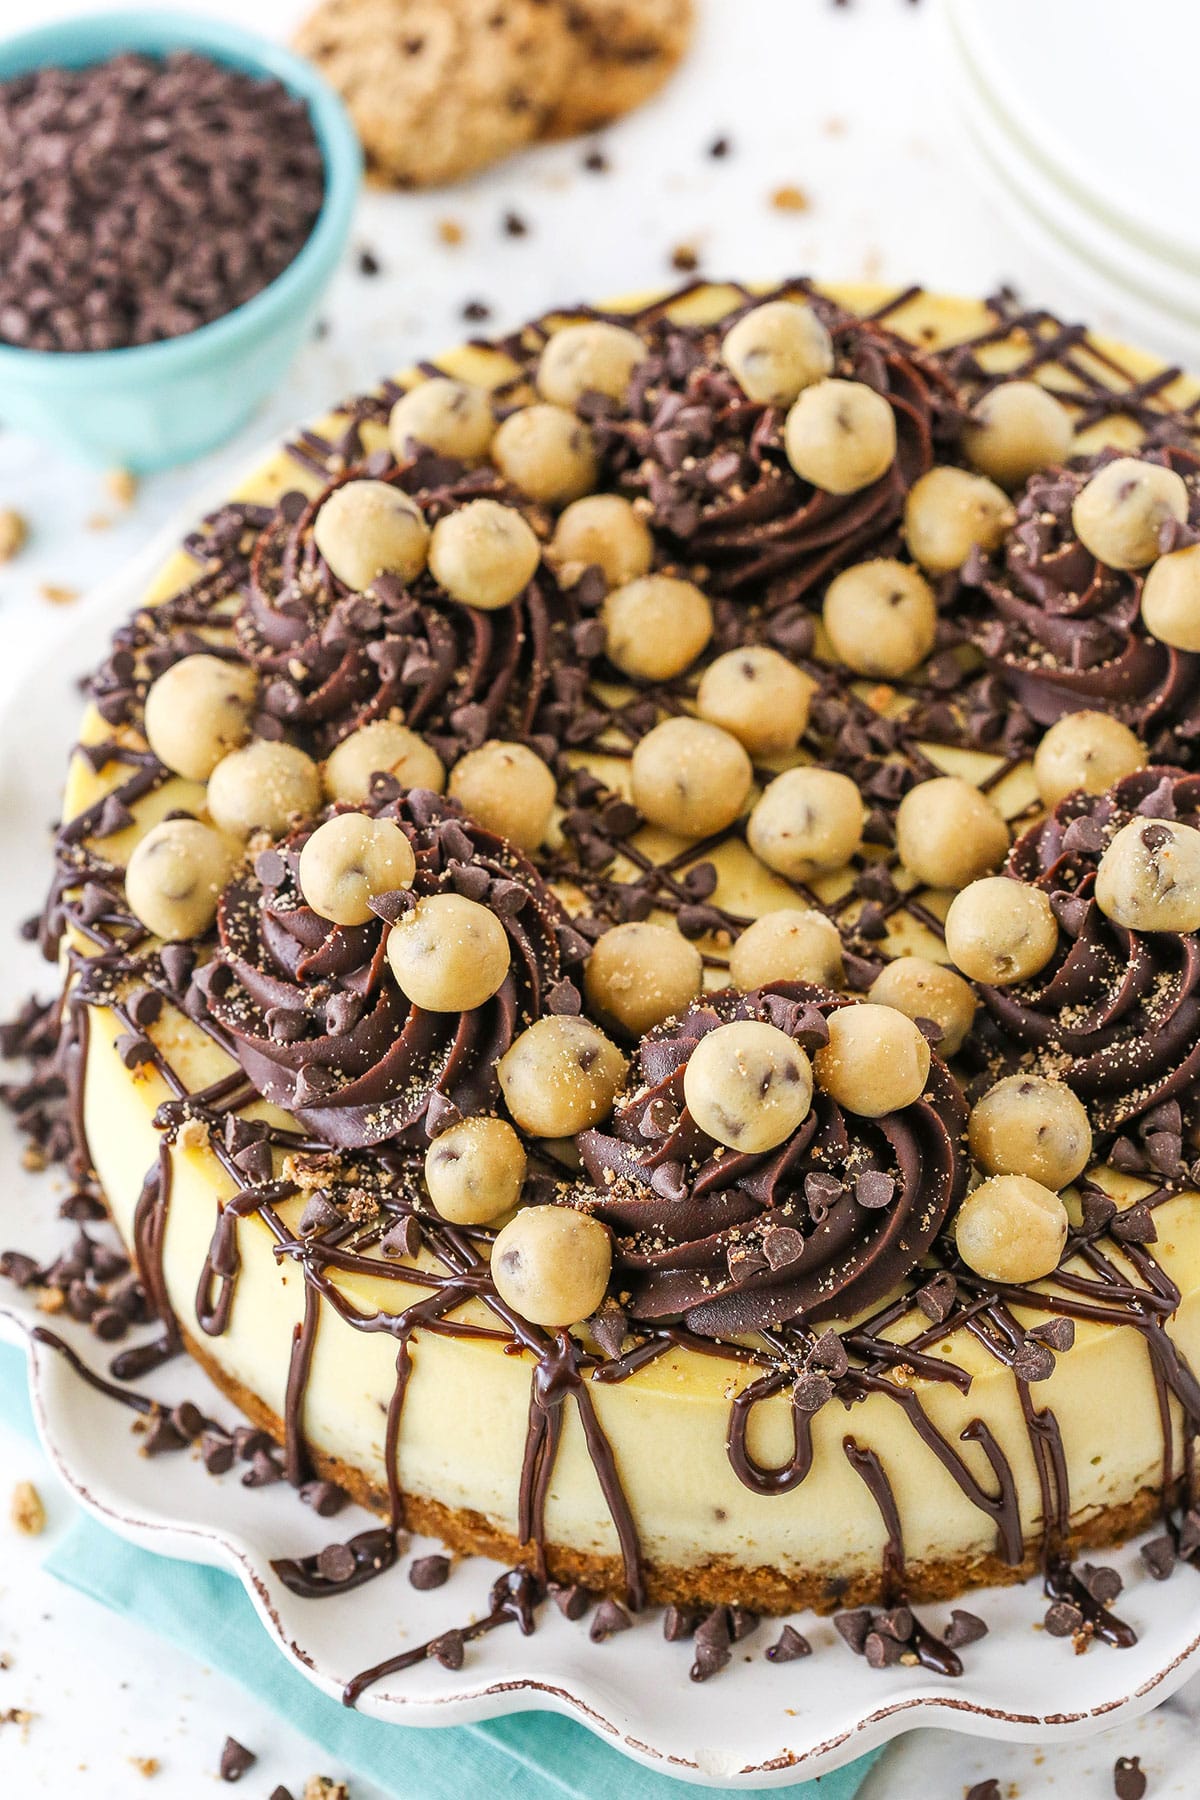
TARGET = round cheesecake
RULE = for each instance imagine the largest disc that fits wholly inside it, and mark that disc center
(760, 855)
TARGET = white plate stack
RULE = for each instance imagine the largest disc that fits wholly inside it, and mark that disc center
(1080, 116)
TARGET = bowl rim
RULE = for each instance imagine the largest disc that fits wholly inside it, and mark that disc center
(80, 41)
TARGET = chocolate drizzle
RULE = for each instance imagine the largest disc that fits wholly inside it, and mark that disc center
(314, 1015)
(831, 1222)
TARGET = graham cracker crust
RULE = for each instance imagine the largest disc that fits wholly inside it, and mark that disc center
(713, 1583)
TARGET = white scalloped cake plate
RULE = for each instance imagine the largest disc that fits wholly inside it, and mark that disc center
(754, 1726)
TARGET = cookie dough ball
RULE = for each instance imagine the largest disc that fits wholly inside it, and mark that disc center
(1149, 877)
(949, 833)
(640, 974)
(197, 712)
(876, 1060)
(1026, 1125)
(1119, 515)
(561, 1076)
(690, 777)
(588, 358)
(922, 989)
(1088, 750)
(840, 436)
(950, 512)
(452, 418)
(484, 554)
(508, 789)
(370, 528)
(655, 627)
(552, 1265)
(880, 618)
(475, 1171)
(1000, 931)
(1017, 429)
(1171, 599)
(1011, 1229)
(797, 943)
(603, 531)
(265, 787)
(776, 350)
(547, 453)
(175, 877)
(759, 696)
(748, 1085)
(448, 954)
(381, 748)
(348, 860)
(807, 822)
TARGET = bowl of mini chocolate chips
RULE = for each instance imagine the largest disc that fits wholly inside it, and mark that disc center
(175, 194)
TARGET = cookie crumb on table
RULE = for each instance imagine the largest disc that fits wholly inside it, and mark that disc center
(146, 1765)
(26, 1510)
(13, 533)
(789, 198)
(324, 1787)
(56, 594)
(450, 232)
(122, 486)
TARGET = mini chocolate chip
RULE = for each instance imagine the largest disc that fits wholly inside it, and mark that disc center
(1159, 1556)
(1129, 1778)
(216, 1452)
(984, 1790)
(789, 1646)
(964, 1628)
(742, 1622)
(853, 1627)
(429, 1572)
(812, 1390)
(1135, 1226)
(1103, 1583)
(325, 1497)
(1063, 1619)
(336, 1562)
(320, 1214)
(235, 1760)
(610, 1617)
(829, 1353)
(264, 1470)
(450, 1649)
(572, 1601)
(1033, 1362)
(782, 1244)
(1058, 1333)
(936, 1298)
(874, 1188)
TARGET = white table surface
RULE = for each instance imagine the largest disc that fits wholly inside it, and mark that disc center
(842, 102)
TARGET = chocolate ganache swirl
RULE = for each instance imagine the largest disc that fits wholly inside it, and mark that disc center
(830, 1222)
(713, 467)
(315, 1017)
(1064, 631)
(334, 660)
(1116, 1014)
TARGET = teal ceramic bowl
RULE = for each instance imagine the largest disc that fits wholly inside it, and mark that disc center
(156, 404)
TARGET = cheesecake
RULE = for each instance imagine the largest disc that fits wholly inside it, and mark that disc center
(628, 917)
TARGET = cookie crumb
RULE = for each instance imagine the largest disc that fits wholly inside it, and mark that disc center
(685, 258)
(26, 1510)
(122, 486)
(146, 1765)
(475, 311)
(789, 198)
(13, 533)
(450, 232)
(19, 1716)
(56, 594)
(324, 1787)
(596, 163)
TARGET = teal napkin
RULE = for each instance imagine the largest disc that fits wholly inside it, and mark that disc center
(533, 1756)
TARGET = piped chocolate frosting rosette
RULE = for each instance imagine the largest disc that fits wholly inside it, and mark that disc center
(1116, 1013)
(828, 1222)
(334, 659)
(1064, 630)
(712, 462)
(316, 1017)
